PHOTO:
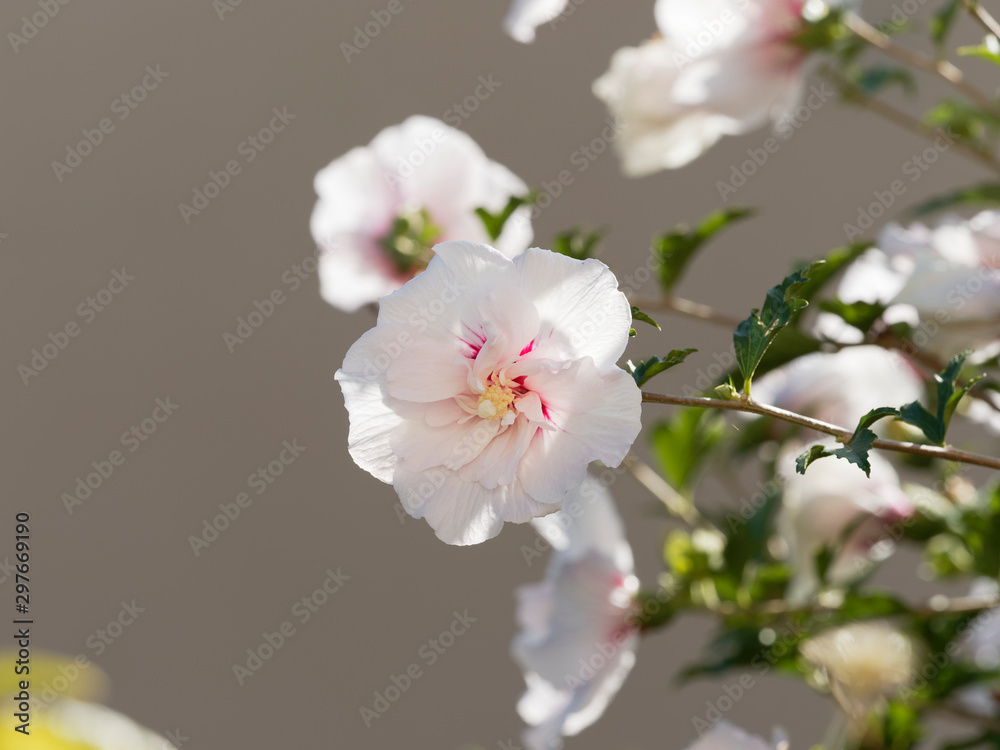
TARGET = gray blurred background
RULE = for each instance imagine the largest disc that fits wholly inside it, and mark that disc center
(62, 239)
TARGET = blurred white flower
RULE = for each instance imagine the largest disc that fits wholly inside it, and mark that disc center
(835, 505)
(865, 663)
(489, 384)
(382, 207)
(979, 647)
(719, 67)
(525, 16)
(73, 725)
(576, 644)
(725, 736)
(943, 280)
(841, 387)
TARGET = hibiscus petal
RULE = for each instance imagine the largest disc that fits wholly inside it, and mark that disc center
(604, 433)
(463, 513)
(372, 417)
(354, 197)
(581, 311)
(426, 370)
(525, 16)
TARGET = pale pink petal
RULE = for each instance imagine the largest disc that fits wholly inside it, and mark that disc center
(373, 419)
(582, 312)
(497, 463)
(604, 433)
(354, 198)
(420, 447)
(444, 299)
(427, 371)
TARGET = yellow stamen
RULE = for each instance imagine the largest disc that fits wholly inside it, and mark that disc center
(495, 401)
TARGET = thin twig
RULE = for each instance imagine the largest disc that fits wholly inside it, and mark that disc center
(689, 309)
(940, 68)
(674, 502)
(843, 435)
(983, 17)
(913, 125)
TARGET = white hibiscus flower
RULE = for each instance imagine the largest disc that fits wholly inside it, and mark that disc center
(382, 207)
(489, 384)
(577, 642)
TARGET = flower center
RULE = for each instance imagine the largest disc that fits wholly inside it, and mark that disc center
(409, 241)
(495, 402)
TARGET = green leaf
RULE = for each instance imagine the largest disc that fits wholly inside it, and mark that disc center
(578, 243)
(754, 335)
(861, 315)
(645, 370)
(988, 50)
(639, 315)
(494, 223)
(942, 22)
(855, 450)
(901, 726)
(867, 605)
(822, 561)
(874, 80)
(874, 416)
(682, 444)
(674, 250)
(965, 122)
(935, 424)
(836, 261)
(984, 195)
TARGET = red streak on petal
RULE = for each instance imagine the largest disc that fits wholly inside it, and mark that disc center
(474, 347)
(528, 348)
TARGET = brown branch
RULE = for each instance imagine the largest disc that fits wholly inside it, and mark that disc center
(940, 68)
(983, 17)
(843, 435)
